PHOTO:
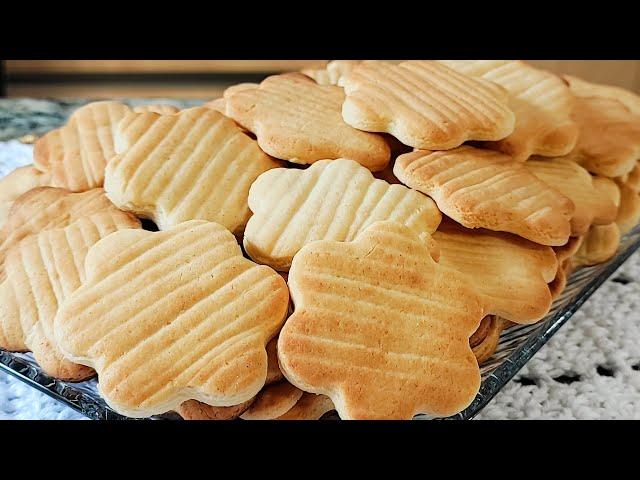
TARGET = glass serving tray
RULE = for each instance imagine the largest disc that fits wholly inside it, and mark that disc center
(517, 344)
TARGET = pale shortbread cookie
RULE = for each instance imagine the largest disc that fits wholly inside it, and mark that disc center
(599, 245)
(42, 271)
(309, 407)
(542, 104)
(609, 140)
(511, 272)
(217, 104)
(574, 182)
(43, 208)
(583, 88)
(297, 120)
(380, 327)
(334, 73)
(629, 210)
(76, 154)
(425, 104)
(165, 317)
(273, 401)
(20, 181)
(482, 188)
(330, 200)
(194, 165)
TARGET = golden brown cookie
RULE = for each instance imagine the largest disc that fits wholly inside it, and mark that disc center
(481, 188)
(380, 327)
(510, 271)
(425, 104)
(584, 190)
(309, 407)
(541, 101)
(297, 120)
(273, 401)
(609, 140)
(196, 313)
(599, 245)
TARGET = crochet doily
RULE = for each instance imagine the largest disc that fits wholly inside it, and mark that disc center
(590, 369)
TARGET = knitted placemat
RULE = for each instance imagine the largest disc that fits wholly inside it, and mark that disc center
(590, 369)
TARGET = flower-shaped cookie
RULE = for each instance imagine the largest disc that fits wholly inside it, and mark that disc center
(165, 317)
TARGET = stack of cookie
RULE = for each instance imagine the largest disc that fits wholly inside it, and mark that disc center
(351, 238)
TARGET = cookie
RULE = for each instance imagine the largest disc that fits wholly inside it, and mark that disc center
(44, 208)
(297, 120)
(273, 401)
(482, 188)
(19, 181)
(75, 154)
(629, 210)
(309, 407)
(380, 327)
(42, 271)
(631, 179)
(542, 104)
(330, 200)
(425, 104)
(617, 151)
(334, 73)
(560, 282)
(487, 347)
(194, 410)
(510, 271)
(481, 332)
(583, 88)
(569, 249)
(196, 313)
(574, 182)
(600, 244)
(194, 165)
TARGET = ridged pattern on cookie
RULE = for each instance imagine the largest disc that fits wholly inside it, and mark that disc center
(20, 181)
(42, 271)
(195, 165)
(44, 208)
(76, 154)
(609, 141)
(511, 272)
(599, 245)
(380, 328)
(541, 101)
(482, 188)
(331, 200)
(574, 182)
(165, 317)
(425, 104)
(297, 120)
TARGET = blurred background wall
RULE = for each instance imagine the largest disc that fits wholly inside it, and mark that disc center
(208, 78)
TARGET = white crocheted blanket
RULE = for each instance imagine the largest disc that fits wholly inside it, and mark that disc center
(589, 370)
